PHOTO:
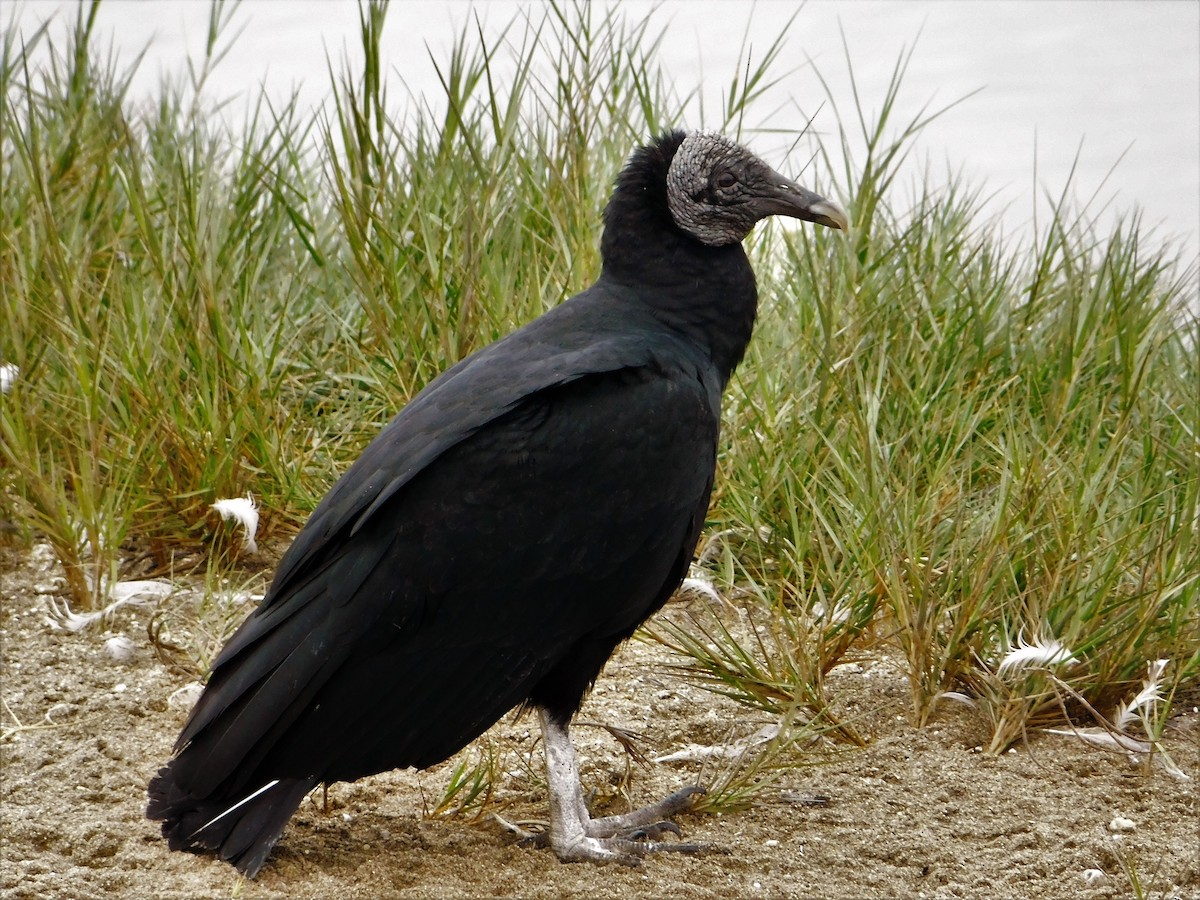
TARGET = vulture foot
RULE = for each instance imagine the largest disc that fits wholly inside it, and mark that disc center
(575, 836)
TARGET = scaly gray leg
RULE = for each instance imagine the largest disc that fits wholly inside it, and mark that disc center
(574, 835)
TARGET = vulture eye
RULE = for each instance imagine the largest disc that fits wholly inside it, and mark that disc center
(726, 180)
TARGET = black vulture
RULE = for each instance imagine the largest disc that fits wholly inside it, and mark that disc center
(517, 520)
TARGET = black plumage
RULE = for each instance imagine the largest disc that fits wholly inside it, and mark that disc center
(513, 524)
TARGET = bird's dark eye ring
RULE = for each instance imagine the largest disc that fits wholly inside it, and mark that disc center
(726, 180)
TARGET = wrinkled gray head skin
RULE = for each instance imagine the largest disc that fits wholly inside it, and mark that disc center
(717, 190)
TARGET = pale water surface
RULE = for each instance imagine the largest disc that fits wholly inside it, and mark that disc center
(1086, 84)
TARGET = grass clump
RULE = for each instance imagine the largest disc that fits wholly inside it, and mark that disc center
(943, 441)
(201, 311)
(960, 443)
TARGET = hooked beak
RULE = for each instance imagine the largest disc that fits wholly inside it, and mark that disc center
(786, 198)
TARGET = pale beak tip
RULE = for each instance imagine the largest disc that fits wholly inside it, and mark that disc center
(828, 213)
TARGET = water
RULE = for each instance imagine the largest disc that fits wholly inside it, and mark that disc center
(1111, 89)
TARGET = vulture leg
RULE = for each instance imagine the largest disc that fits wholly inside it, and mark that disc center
(575, 836)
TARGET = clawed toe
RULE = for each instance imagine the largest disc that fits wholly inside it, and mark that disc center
(654, 831)
(656, 816)
(605, 850)
(628, 852)
(627, 848)
(525, 837)
(698, 847)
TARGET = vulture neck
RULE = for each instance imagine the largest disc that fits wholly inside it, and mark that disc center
(708, 294)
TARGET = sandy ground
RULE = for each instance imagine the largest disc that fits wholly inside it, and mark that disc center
(919, 813)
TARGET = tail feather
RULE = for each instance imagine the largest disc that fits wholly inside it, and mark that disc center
(242, 830)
